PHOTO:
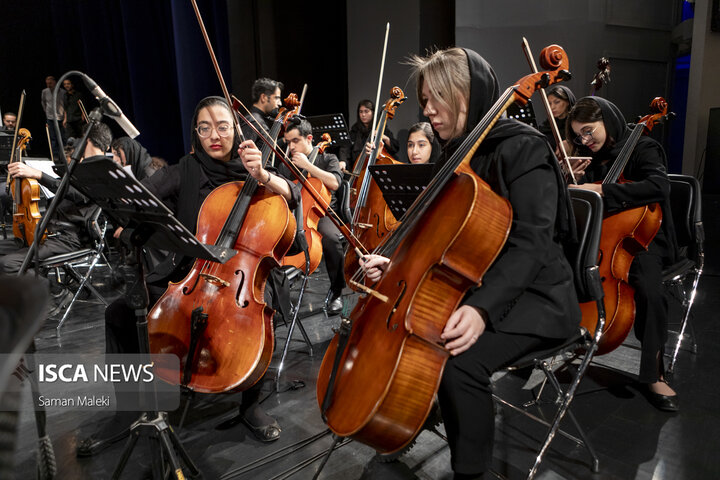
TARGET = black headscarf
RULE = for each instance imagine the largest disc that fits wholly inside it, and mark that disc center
(562, 91)
(484, 93)
(616, 128)
(135, 155)
(198, 169)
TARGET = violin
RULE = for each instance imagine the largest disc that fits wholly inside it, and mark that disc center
(377, 384)
(25, 191)
(372, 218)
(624, 235)
(216, 319)
(312, 212)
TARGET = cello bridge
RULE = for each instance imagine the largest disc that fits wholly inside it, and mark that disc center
(214, 280)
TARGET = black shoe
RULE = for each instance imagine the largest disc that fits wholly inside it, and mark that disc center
(61, 302)
(335, 305)
(264, 433)
(666, 403)
(112, 432)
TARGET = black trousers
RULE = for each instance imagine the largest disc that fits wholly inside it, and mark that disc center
(466, 396)
(651, 312)
(333, 254)
(62, 243)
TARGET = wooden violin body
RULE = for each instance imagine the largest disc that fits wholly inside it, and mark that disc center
(312, 213)
(235, 348)
(375, 219)
(26, 209)
(382, 396)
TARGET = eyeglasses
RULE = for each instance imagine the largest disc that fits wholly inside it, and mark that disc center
(204, 131)
(580, 139)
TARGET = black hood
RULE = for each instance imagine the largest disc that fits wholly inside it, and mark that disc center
(135, 155)
(615, 126)
(484, 90)
(565, 90)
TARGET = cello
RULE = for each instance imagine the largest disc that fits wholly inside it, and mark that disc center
(312, 213)
(377, 384)
(372, 218)
(215, 319)
(624, 235)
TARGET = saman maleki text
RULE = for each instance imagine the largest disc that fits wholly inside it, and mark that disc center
(112, 372)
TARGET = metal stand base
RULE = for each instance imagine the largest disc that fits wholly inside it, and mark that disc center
(161, 435)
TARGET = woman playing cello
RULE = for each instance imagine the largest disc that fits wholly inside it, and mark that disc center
(214, 161)
(599, 130)
(527, 300)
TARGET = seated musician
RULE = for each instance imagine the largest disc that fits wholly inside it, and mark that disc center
(214, 162)
(69, 218)
(421, 144)
(128, 151)
(298, 136)
(267, 99)
(561, 100)
(9, 120)
(599, 130)
(360, 136)
(527, 300)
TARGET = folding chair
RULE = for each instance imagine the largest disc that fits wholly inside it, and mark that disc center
(96, 226)
(684, 275)
(583, 257)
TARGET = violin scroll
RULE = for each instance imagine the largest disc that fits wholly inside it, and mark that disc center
(556, 65)
(397, 96)
(659, 108)
(24, 138)
(292, 101)
(325, 141)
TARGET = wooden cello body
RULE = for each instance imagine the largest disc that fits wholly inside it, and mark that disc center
(624, 235)
(235, 349)
(377, 383)
(394, 359)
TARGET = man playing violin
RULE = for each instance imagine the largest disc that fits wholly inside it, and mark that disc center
(70, 217)
(298, 136)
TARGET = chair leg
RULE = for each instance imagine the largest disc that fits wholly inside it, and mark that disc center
(687, 306)
(83, 279)
(567, 398)
(295, 320)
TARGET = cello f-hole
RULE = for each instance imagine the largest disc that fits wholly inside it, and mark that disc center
(402, 286)
(239, 289)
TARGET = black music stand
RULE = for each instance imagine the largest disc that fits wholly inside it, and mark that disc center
(128, 202)
(334, 124)
(525, 114)
(401, 183)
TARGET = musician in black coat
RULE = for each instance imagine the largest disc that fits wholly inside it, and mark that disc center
(599, 130)
(527, 300)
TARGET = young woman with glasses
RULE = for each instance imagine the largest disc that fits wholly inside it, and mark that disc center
(598, 129)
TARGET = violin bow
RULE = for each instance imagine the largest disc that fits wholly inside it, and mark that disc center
(382, 70)
(213, 58)
(551, 118)
(352, 239)
(15, 135)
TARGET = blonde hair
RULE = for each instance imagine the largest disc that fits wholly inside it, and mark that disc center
(448, 79)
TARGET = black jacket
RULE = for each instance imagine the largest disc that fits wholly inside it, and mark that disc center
(529, 288)
(646, 171)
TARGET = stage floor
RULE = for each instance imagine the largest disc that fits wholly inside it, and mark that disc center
(632, 439)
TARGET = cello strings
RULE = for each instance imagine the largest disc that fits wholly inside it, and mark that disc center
(436, 185)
